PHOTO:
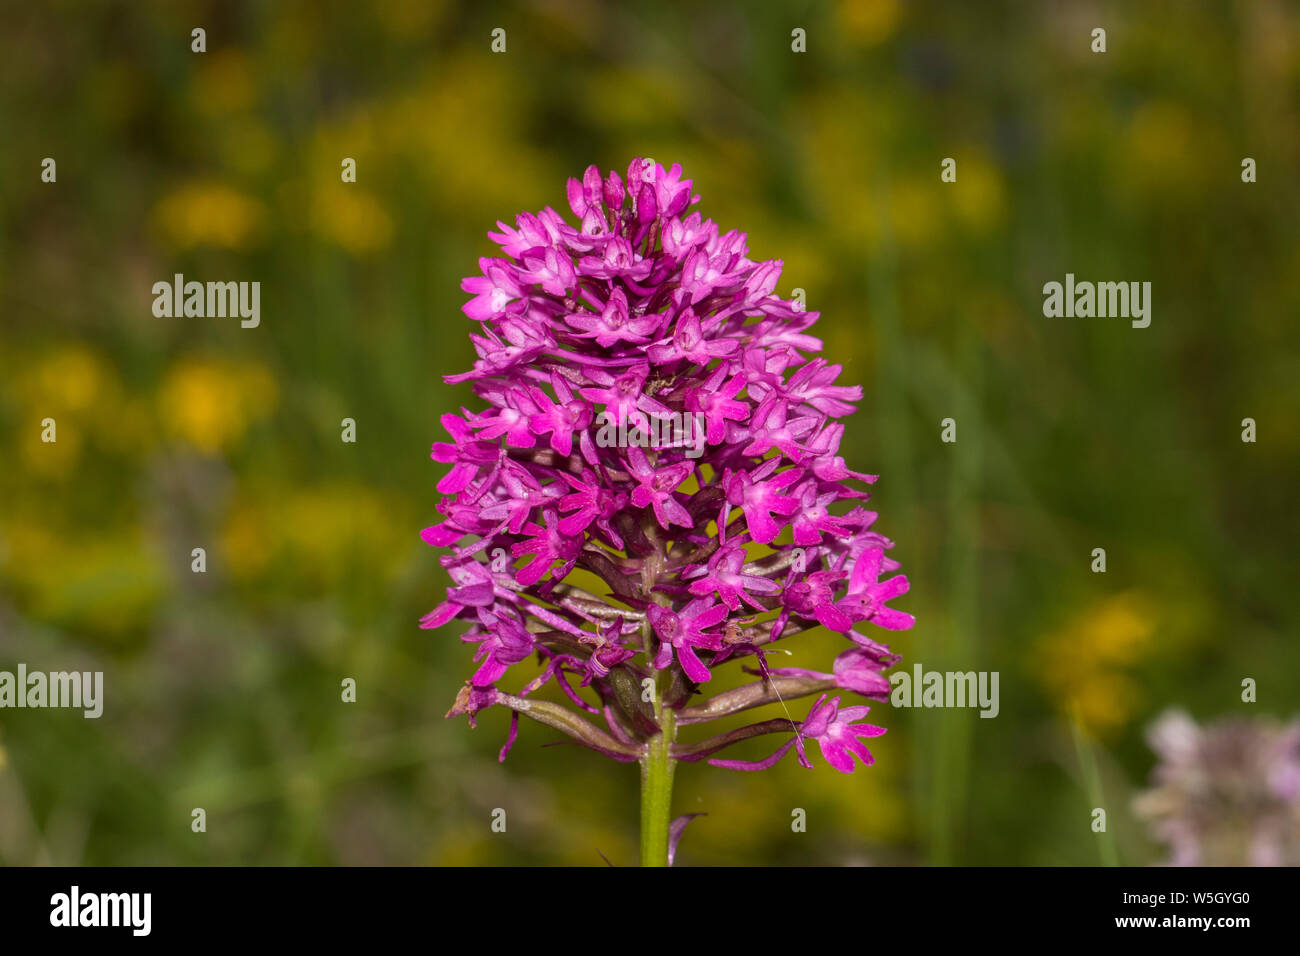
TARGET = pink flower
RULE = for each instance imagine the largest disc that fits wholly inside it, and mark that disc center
(760, 497)
(867, 596)
(833, 729)
(503, 642)
(717, 402)
(725, 576)
(550, 544)
(655, 487)
(561, 418)
(687, 631)
(837, 735)
(614, 324)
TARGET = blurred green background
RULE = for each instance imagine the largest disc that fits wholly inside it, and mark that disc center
(223, 689)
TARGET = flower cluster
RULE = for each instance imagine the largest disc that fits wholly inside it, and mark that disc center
(1227, 793)
(632, 572)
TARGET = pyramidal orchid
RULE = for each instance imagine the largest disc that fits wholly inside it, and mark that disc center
(653, 490)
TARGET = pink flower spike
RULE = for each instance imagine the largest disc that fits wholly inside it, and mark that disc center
(649, 485)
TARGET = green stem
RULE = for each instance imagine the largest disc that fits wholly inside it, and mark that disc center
(1092, 780)
(657, 765)
(657, 790)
